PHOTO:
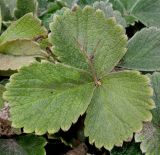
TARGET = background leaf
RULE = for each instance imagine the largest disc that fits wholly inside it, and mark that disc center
(148, 12)
(150, 135)
(17, 53)
(25, 6)
(27, 27)
(109, 12)
(127, 149)
(143, 51)
(23, 145)
(118, 108)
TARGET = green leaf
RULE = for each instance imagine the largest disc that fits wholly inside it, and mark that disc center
(75, 41)
(23, 145)
(150, 135)
(128, 149)
(6, 14)
(125, 7)
(25, 6)
(66, 94)
(17, 53)
(2, 89)
(106, 7)
(148, 12)
(143, 51)
(118, 108)
(27, 27)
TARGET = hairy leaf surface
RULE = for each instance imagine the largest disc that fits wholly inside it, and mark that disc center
(23, 145)
(148, 12)
(143, 51)
(117, 109)
(84, 34)
(48, 97)
(150, 135)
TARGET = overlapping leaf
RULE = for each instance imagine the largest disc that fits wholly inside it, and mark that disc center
(27, 27)
(92, 45)
(146, 11)
(143, 51)
(150, 135)
(23, 145)
(16, 47)
(17, 53)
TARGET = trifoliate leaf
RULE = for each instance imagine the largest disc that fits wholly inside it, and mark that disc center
(87, 34)
(27, 27)
(23, 145)
(58, 93)
(106, 7)
(2, 89)
(127, 149)
(66, 95)
(148, 11)
(25, 6)
(143, 51)
(17, 53)
(150, 135)
(118, 108)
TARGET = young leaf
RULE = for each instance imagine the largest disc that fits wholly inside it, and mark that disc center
(148, 11)
(14, 54)
(143, 51)
(117, 109)
(2, 89)
(150, 135)
(80, 35)
(66, 95)
(23, 145)
(106, 7)
(27, 27)
(25, 6)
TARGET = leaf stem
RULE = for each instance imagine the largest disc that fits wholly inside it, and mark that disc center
(90, 63)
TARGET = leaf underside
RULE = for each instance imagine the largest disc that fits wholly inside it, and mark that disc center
(89, 45)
